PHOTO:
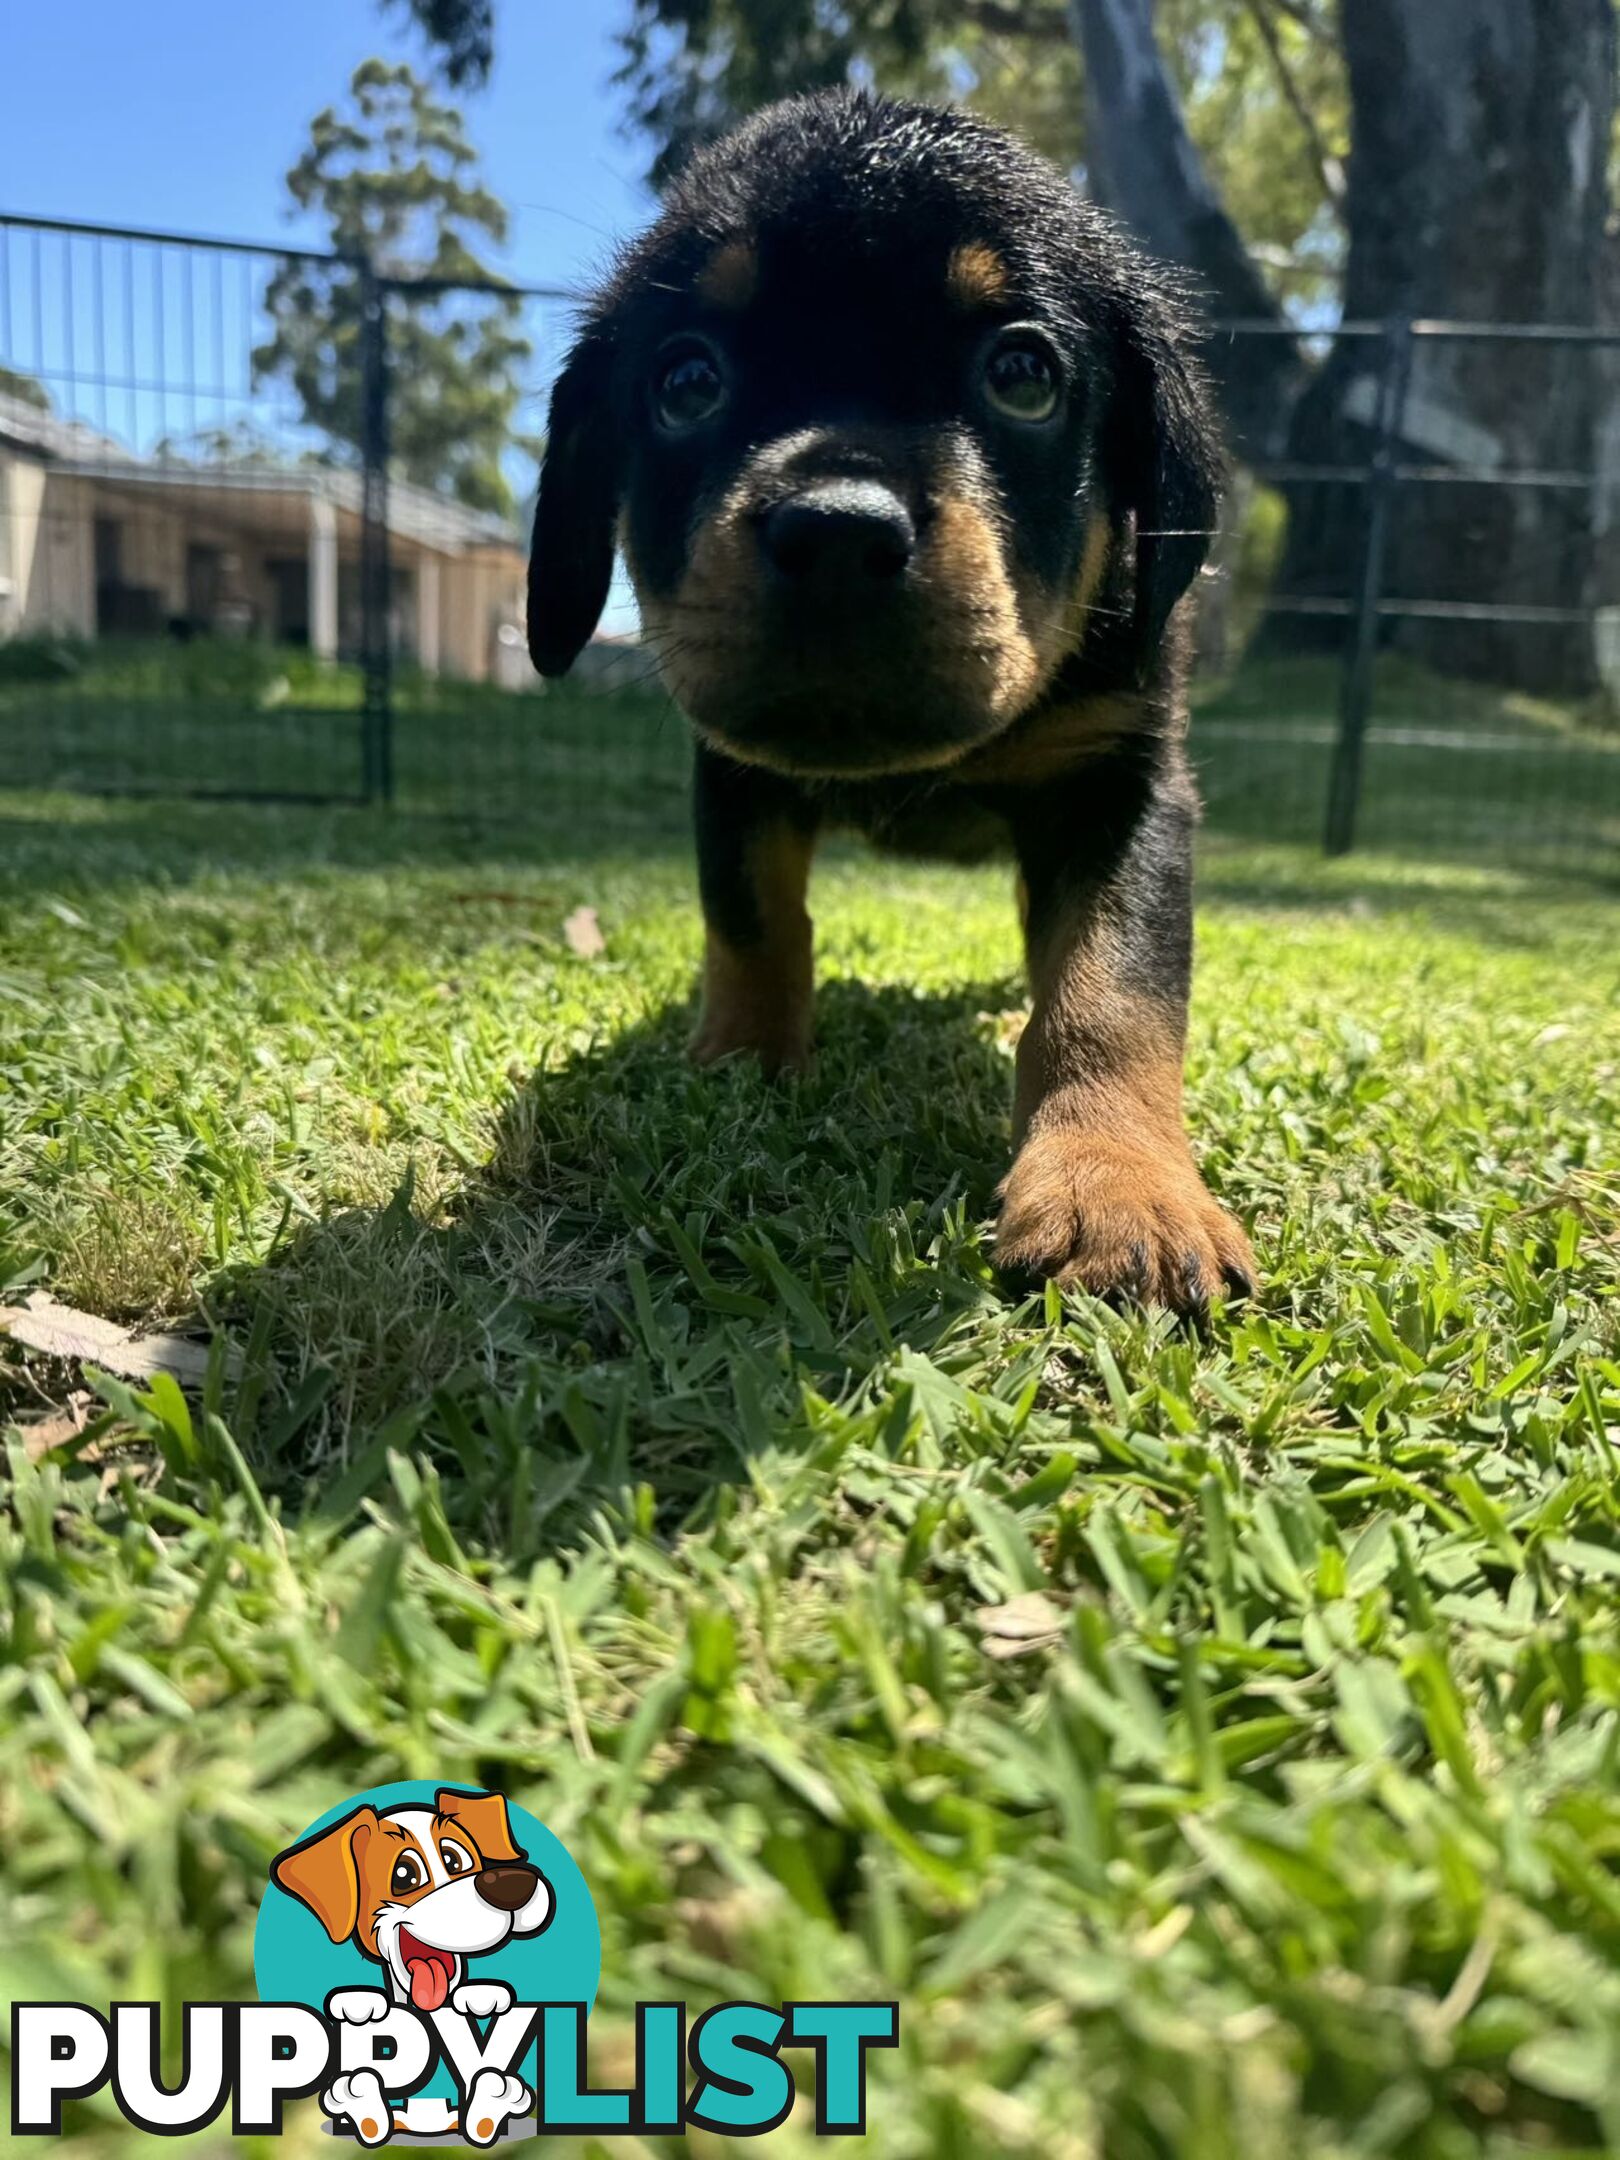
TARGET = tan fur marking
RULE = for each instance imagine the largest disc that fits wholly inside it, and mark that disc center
(992, 641)
(985, 651)
(1093, 567)
(1056, 737)
(1049, 739)
(964, 555)
(730, 277)
(1104, 1190)
(758, 998)
(976, 276)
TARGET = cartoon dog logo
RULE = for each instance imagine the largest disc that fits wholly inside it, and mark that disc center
(421, 1890)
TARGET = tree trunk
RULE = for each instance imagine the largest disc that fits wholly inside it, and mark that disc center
(1144, 167)
(1477, 192)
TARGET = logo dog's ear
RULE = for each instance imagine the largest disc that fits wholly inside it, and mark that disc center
(324, 1872)
(571, 560)
(484, 1818)
(1169, 465)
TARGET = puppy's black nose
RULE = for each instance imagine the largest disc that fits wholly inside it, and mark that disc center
(508, 1887)
(840, 532)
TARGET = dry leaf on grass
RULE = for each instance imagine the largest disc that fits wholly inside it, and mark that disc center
(584, 934)
(42, 1434)
(80, 1338)
(1024, 1623)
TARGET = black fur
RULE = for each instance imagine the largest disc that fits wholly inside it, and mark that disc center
(846, 353)
(860, 201)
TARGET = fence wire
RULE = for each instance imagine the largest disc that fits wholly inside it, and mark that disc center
(1409, 640)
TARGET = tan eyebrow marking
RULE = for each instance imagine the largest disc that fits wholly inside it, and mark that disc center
(730, 277)
(976, 276)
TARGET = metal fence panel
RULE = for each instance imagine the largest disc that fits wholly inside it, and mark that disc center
(202, 593)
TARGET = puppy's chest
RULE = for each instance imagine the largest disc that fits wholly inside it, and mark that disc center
(949, 822)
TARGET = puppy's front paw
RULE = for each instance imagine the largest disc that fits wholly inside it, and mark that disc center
(780, 1041)
(491, 2104)
(360, 2100)
(357, 2006)
(1120, 1218)
(482, 1998)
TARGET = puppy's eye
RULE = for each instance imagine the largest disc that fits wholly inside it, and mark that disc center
(408, 1875)
(1021, 378)
(455, 1860)
(689, 388)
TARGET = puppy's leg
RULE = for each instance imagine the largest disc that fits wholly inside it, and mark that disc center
(755, 836)
(1103, 1190)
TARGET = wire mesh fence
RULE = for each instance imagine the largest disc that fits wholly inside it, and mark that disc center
(218, 577)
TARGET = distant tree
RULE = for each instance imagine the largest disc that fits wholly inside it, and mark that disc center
(235, 442)
(1301, 158)
(1261, 84)
(462, 30)
(27, 389)
(396, 183)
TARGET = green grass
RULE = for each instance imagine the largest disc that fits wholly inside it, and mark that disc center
(1450, 769)
(660, 1447)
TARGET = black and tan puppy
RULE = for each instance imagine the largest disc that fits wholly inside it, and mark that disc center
(910, 472)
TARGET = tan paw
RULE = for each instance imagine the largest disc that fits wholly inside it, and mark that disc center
(1120, 1218)
(780, 1044)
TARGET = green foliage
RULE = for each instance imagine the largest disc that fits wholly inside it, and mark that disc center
(463, 31)
(1450, 768)
(396, 183)
(45, 658)
(1209, 1742)
(28, 388)
(1247, 70)
(690, 71)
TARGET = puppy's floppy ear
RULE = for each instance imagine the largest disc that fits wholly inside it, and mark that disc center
(571, 561)
(1169, 466)
(324, 1872)
(483, 1816)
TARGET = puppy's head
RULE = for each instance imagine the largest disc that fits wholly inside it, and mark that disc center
(420, 1889)
(889, 423)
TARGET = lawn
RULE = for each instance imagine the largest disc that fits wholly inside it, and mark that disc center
(1212, 1743)
(1449, 769)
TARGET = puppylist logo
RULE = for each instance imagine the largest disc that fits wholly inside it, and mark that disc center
(426, 1960)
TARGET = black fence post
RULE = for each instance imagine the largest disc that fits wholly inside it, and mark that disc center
(376, 655)
(1361, 661)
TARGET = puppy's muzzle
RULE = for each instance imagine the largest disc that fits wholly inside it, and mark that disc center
(507, 1887)
(838, 540)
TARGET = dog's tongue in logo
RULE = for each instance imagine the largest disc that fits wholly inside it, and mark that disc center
(431, 1971)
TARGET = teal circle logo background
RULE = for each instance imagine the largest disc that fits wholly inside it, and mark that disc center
(294, 1960)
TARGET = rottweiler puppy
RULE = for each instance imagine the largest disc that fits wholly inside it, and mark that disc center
(911, 467)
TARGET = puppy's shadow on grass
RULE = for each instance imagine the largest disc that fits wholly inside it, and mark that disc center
(633, 1294)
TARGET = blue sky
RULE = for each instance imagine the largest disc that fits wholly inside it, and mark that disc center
(186, 114)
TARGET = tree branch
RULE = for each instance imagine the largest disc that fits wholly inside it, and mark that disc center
(1329, 169)
(1146, 168)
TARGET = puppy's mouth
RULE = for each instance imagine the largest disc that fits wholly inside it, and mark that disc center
(854, 639)
(430, 1971)
(844, 695)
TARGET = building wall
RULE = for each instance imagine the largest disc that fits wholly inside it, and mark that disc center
(47, 560)
(156, 533)
(51, 519)
(477, 593)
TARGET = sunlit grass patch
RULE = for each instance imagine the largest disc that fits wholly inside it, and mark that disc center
(1211, 1742)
